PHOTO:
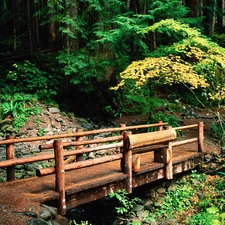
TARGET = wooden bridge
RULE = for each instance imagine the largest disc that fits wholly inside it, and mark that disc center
(142, 157)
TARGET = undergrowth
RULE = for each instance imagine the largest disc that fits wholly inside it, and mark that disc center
(198, 199)
(15, 110)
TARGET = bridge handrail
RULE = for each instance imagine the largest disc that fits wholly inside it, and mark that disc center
(162, 155)
(11, 161)
(77, 134)
(125, 156)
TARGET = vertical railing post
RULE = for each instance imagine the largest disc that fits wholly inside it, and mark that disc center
(121, 149)
(201, 138)
(127, 156)
(60, 176)
(169, 163)
(160, 127)
(79, 157)
(164, 155)
(10, 154)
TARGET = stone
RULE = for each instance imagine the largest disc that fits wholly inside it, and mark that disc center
(91, 155)
(62, 220)
(53, 110)
(148, 202)
(142, 214)
(60, 120)
(172, 187)
(37, 222)
(161, 190)
(138, 207)
(45, 215)
(30, 214)
(153, 194)
(52, 210)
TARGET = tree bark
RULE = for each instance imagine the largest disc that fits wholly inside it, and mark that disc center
(221, 17)
(210, 16)
(29, 30)
(15, 21)
(36, 24)
(128, 3)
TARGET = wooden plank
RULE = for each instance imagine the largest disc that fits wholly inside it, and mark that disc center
(186, 165)
(111, 178)
(147, 177)
(93, 194)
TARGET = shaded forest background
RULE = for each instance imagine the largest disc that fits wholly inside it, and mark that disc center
(74, 51)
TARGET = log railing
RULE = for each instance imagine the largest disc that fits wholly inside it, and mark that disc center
(128, 142)
(10, 142)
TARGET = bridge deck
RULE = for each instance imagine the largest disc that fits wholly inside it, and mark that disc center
(90, 183)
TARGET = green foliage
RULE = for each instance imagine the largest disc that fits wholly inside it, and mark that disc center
(178, 200)
(163, 110)
(131, 100)
(41, 131)
(82, 69)
(127, 204)
(218, 130)
(192, 59)
(200, 201)
(27, 77)
(18, 108)
(210, 217)
(220, 39)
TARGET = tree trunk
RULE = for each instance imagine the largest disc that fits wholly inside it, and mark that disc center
(15, 21)
(195, 6)
(210, 16)
(52, 30)
(221, 15)
(69, 42)
(29, 30)
(128, 3)
(36, 24)
(73, 43)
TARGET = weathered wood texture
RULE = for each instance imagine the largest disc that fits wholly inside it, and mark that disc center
(60, 176)
(157, 137)
(156, 161)
(10, 154)
(84, 133)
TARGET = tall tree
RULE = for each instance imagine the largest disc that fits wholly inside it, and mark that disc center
(210, 8)
(221, 13)
(29, 28)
